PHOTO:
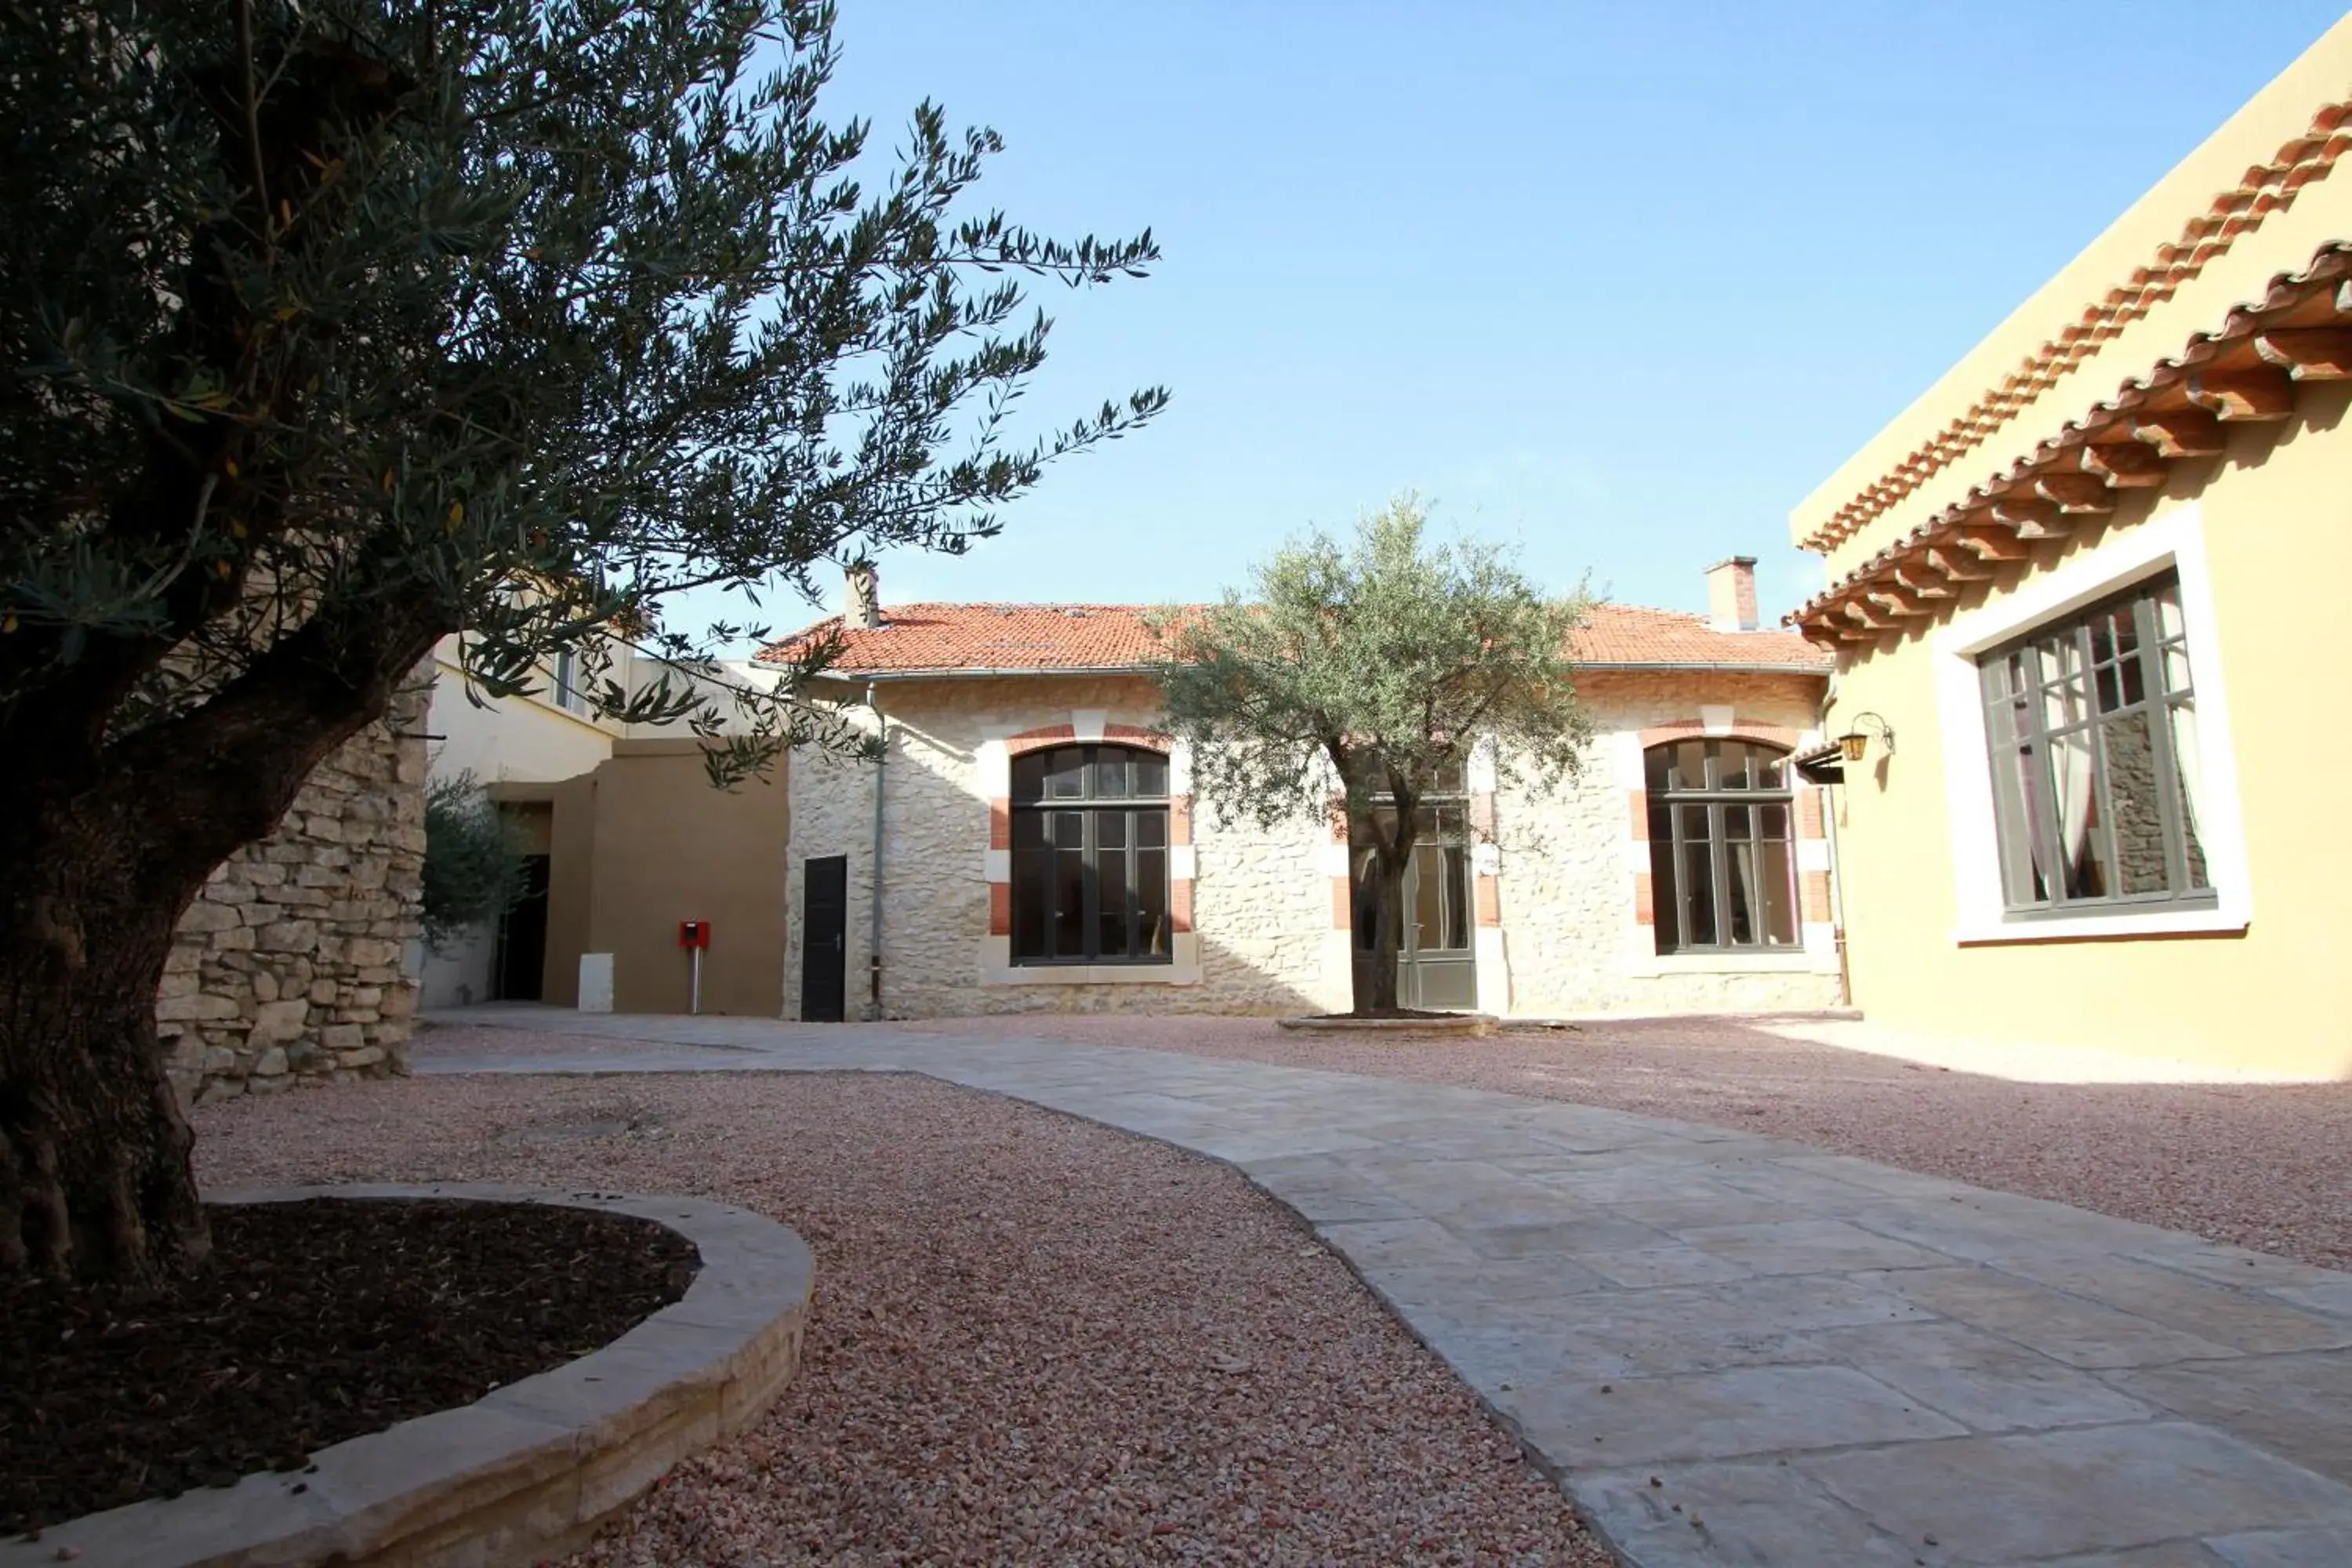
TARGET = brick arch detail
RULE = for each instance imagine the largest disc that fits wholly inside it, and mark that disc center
(1780, 736)
(1048, 735)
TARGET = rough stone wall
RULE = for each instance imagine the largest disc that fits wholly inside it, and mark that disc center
(289, 964)
(1261, 904)
(1570, 934)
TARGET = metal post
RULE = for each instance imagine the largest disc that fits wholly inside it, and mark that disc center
(693, 998)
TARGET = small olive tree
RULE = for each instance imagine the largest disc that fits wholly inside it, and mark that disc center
(1372, 667)
(473, 861)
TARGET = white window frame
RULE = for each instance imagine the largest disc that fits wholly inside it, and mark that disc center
(2171, 541)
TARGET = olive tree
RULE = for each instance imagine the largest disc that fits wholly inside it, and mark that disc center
(335, 327)
(1368, 669)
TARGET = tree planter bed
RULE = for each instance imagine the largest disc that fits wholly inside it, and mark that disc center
(522, 1473)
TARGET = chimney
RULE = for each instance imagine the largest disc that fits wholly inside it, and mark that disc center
(1731, 595)
(862, 604)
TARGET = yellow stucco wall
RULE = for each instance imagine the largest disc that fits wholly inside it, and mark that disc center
(2276, 518)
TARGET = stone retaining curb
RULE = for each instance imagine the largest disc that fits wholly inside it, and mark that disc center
(523, 1475)
(1451, 1023)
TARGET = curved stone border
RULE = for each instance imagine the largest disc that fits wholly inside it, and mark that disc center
(1451, 1023)
(523, 1475)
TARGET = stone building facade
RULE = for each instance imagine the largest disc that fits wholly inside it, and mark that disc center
(291, 964)
(1557, 891)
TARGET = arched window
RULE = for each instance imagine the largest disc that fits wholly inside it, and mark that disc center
(1722, 863)
(1090, 855)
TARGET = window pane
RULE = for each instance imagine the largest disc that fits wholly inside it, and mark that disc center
(1029, 776)
(1033, 898)
(1662, 823)
(1770, 769)
(1065, 773)
(1028, 830)
(1151, 828)
(1744, 896)
(2176, 667)
(1665, 909)
(2062, 699)
(1457, 897)
(1698, 892)
(1780, 894)
(1069, 929)
(2130, 746)
(1427, 899)
(1695, 826)
(2134, 680)
(1656, 765)
(1690, 764)
(1772, 821)
(1150, 772)
(1152, 929)
(2168, 624)
(1735, 822)
(1110, 885)
(2017, 797)
(2189, 766)
(1110, 773)
(2082, 837)
(1731, 765)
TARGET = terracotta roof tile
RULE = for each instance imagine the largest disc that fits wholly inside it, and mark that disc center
(1024, 637)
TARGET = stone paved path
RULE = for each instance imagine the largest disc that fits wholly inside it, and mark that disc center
(1734, 1349)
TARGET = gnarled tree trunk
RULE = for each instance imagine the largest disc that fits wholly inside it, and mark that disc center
(94, 1172)
(103, 848)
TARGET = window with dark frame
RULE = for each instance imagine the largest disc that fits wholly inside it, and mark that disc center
(2091, 730)
(1723, 864)
(1090, 855)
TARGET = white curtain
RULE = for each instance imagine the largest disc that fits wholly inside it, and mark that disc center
(2190, 758)
(2069, 762)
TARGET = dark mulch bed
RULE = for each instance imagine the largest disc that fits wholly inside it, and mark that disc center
(314, 1322)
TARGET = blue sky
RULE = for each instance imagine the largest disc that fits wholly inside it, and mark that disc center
(1620, 282)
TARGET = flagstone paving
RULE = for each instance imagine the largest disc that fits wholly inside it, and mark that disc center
(1733, 1350)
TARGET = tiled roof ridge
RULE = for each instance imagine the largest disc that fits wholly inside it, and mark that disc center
(2331, 264)
(2265, 188)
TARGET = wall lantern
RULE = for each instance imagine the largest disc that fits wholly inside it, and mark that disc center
(1856, 741)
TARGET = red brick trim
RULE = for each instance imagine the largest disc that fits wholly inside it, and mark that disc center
(1000, 909)
(1780, 736)
(1180, 904)
(1037, 740)
(1343, 904)
(1000, 824)
(1809, 812)
(1645, 910)
(1134, 735)
(1063, 734)
(1490, 900)
(1814, 897)
(1638, 800)
(1180, 819)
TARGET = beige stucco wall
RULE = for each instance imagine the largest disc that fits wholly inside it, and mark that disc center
(667, 847)
(2274, 517)
(1263, 899)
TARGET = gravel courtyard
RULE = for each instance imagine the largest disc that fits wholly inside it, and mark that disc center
(2268, 1167)
(1035, 1339)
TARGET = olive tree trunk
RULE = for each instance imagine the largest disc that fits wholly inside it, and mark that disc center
(103, 846)
(1373, 974)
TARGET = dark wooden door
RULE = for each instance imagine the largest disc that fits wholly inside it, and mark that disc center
(1436, 967)
(825, 932)
(522, 939)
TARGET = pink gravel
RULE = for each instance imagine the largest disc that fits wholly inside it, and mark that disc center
(2268, 1167)
(1035, 1339)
